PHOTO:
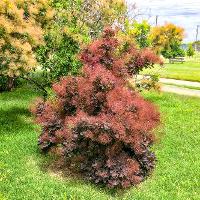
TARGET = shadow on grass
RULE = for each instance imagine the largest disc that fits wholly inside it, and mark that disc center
(24, 93)
(57, 167)
(13, 120)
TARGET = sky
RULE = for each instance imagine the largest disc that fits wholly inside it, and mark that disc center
(184, 13)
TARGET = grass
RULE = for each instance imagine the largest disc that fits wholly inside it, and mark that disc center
(24, 174)
(189, 71)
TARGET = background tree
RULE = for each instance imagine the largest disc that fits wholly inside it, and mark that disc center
(91, 16)
(139, 32)
(75, 24)
(167, 40)
(78, 22)
(190, 50)
(57, 57)
(20, 33)
(173, 51)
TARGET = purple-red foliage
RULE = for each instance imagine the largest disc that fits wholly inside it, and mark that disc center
(102, 128)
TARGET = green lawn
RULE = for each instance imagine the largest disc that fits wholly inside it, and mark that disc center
(24, 174)
(187, 71)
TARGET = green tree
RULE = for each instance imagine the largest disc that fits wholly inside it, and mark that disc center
(174, 50)
(89, 17)
(57, 56)
(75, 24)
(141, 33)
(190, 50)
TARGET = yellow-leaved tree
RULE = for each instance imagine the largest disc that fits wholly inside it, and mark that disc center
(21, 31)
(167, 39)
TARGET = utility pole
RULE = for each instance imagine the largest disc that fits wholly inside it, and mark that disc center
(197, 32)
(156, 20)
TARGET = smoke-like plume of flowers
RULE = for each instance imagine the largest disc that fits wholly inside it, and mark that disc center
(103, 128)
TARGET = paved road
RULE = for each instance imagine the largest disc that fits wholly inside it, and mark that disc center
(181, 91)
(180, 82)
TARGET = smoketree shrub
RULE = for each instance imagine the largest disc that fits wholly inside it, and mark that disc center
(102, 128)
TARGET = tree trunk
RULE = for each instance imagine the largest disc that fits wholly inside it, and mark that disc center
(10, 83)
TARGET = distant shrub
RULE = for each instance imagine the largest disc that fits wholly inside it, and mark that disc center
(101, 127)
(150, 82)
(174, 51)
(190, 50)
